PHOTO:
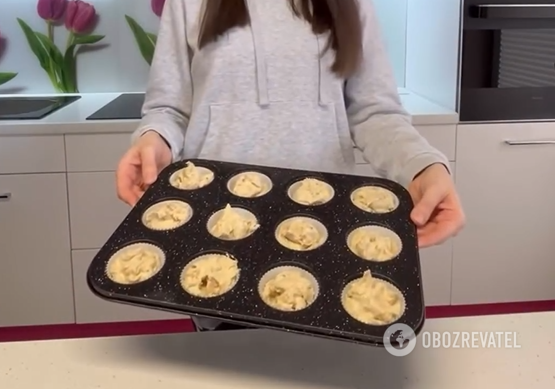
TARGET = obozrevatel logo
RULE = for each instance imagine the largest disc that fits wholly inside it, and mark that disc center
(399, 340)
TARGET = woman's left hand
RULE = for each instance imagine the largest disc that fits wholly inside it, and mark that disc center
(437, 211)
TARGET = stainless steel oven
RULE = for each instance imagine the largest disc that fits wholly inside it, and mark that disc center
(508, 60)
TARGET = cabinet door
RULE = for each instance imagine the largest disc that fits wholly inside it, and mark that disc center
(94, 208)
(92, 309)
(506, 180)
(35, 280)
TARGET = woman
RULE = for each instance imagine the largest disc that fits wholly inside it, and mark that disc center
(289, 83)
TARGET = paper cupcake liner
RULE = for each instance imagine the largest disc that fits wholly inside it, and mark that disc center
(383, 231)
(318, 225)
(296, 185)
(201, 169)
(361, 207)
(396, 289)
(199, 259)
(212, 220)
(266, 182)
(132, 247)
(270, 274)
(167, 202)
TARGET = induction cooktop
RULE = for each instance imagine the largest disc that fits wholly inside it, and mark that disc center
(126, 106)
(32, 107)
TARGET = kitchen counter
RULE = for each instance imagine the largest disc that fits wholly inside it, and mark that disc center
(72, 118)
(275, 360)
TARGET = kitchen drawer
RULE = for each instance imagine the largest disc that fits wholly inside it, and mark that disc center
(95, 152)
(94, 208)
(442, 137)
(32, 154)
(90, 308)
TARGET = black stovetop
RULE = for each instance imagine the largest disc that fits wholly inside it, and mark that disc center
(126, 106)
(32, 108)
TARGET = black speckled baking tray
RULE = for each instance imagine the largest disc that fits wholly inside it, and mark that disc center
(332, 264)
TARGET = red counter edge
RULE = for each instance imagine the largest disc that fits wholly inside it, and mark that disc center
(72, 331)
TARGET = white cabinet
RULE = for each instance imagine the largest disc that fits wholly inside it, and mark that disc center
(94, 208)
(506, 180)
(35, 280)
(92, 309)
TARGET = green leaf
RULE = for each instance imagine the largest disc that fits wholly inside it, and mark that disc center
(153, 38)
(69, 74)
(56, 67)
(51, 48)
(5, 77)
(35, 45)
(87, 39)
(144, 40)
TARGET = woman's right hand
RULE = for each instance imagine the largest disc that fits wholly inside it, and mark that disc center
(140, 166)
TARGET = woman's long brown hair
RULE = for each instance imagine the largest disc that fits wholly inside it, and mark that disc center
(339, 17)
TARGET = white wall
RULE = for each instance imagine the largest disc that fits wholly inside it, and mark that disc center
(393, 23)
(117, 65)
(432, 57)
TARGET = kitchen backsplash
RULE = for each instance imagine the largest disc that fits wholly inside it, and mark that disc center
(105, 45)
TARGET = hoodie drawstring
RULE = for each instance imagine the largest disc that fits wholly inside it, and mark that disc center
(261, 74)
(321, 71)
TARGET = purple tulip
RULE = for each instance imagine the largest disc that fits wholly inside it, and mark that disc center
(51, 10)
(81, 16)
(157, 6)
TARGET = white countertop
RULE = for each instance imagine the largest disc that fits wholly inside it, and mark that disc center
(274, 360)
(72, 118)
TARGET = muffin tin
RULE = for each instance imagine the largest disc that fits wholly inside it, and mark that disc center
(332, 264)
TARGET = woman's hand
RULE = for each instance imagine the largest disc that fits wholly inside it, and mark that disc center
(437, 211)
(140, 166)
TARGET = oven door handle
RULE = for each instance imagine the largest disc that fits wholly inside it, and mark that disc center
(513, 11)
(529, 142)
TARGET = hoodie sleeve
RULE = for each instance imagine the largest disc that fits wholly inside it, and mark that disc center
(380, 127)
(168, 100)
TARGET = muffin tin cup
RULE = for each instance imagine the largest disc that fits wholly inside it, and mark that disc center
(382, 281)
(333, 265)
(264, 180)
(147, 247)
(181, 203)
(274, 272)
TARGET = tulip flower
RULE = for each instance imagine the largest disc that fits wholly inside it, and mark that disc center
(157, 6)
(80, 17)
(51, 10)
(59, 64)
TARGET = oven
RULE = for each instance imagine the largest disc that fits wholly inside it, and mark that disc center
(507, 60)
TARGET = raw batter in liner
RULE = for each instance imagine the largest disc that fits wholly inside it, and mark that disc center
(167, 215)
(373, 245)
(232, 225)
(290, 290)
(210, 275)
(373, 301)
(299, 234)
(134, 265)
(191, 177)
(311, 192)
(374, 199)
(249, 185)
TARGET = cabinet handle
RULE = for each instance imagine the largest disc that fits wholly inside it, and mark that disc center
(529, 142)
(512, 11)
(5, 196)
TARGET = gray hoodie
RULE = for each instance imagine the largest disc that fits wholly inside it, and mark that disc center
(264, 95)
